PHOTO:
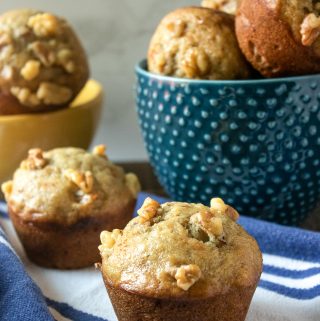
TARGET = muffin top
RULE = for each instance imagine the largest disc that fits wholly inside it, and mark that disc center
(42, 62)
(228, 6)
(67, 184)
(197, 43)
(181, 250)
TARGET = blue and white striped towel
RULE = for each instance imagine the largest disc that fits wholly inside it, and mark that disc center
(289, 289)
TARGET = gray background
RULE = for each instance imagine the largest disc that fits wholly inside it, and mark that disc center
(116, 36)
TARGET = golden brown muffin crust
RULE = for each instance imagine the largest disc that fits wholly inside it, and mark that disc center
(65, 185)
(197, 43)
(180, 250)
(280, 37)
(42, 62)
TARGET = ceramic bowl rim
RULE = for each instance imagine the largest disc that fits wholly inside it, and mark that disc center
(141, 69)
(98, 95)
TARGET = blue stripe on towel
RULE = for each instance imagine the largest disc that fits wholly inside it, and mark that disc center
(71, 313)
(294, 244)
(292, 274)
(20, 298)
(294, 293)
(2, 234)
(3, 211)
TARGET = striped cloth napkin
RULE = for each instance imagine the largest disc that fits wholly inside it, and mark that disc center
(289, 289)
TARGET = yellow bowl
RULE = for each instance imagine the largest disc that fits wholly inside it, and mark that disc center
(73, 126)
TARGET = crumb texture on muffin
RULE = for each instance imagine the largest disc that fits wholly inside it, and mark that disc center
(66, 184)
(181, 250)
(42, 62)
(197, 43)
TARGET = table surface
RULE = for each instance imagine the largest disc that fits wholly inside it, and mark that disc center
(150, 183)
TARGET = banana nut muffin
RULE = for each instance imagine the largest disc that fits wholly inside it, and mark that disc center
(228, 6)
(42, 63)
(197, 43)
(180, 261)
(59, 201)
(282, 37)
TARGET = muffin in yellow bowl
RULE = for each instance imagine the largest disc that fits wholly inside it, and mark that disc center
(73, 126)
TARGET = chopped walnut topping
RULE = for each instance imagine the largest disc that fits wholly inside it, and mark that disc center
(85, 199)
(99, 150)
(21, 31)
(7, 188)
(35, 160)
(108, 239)
(30, 70)
(5, 39)
(195, 62)
(177, 28)
(133, 183)
(44, 25)
(43, 52)
(64, 59)
(224, 5)
(187, 275)
(148, 210)
(25, 96)
(218, 205)
(7, 72)
(6, 52)
(310, 29)
(52, 94)
(232, 213)
(83, 180)
(207, 222)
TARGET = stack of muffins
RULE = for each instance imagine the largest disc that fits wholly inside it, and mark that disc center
(232, 39)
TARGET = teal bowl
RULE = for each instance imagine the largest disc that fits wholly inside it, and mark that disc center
(254, 143)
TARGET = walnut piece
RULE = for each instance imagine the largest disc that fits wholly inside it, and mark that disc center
(5, 39)
(83, 180)
(52, 94)
(148, 209)
(195, 63)
(177, 28)
(218, 205)
(6, 188)
(224, 5)
(187, 275)
(108, 239)
(44, 52)
(64, 58)
(35, 160)
(99, 150)
(133, 184)
(7, 72)
(310, 29)
(207, 222)
(25, 96)
(232, 213)
(44, 25)
(30, 70)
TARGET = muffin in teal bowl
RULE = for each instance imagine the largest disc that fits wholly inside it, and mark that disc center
(255, 143)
